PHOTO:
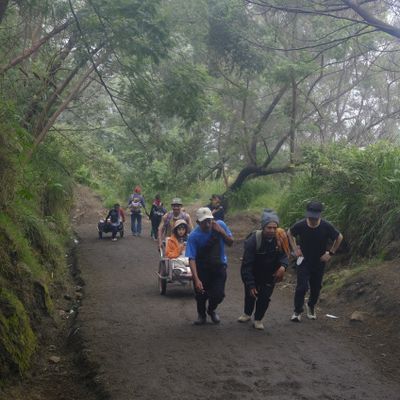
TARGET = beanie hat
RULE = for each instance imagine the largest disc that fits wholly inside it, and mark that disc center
(268, 216)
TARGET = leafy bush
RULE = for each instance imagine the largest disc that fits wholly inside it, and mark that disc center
(360, 189)
(257, 194)
(34, 228)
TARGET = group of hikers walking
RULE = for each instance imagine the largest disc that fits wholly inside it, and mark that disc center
(312, 241)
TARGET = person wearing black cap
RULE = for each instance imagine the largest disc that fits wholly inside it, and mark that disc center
(314, 234)
(216, 207)
(264, 264)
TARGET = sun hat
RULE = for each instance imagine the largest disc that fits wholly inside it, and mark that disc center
(176, 200)
(180, 222)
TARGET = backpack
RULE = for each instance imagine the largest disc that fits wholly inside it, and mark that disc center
(281, 240)
(159, 211)
(136, 204)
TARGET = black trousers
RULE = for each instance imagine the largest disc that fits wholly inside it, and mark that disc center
(261, 303)
(155, 223)
(114, 231)
(213, 279)
(309, 276)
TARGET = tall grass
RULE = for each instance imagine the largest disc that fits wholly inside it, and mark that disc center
(34, 229)
(360, 189)
(253, 196)
(257, 194)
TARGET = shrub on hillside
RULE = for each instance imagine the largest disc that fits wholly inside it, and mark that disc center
(360, 189)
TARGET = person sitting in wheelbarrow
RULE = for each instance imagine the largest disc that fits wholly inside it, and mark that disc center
(176, 245)
(114, 218)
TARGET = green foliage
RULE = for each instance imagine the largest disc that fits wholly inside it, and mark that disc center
(229, 29)
(200, 192)
(183, 93)
(360, 189)
(34, 230)
(13, 237)
(256, 194)
(17, 340)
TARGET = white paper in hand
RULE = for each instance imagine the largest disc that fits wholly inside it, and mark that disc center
(299, 260)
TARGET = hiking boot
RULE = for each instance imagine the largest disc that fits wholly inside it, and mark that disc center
(258, 325)
(244, 318)
(310, 312)
(201, 320)
(296, 317)
(214, 316)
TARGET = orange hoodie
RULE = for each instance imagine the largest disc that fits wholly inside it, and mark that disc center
(174, 248)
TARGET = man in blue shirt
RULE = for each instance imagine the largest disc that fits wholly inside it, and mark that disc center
(206, 252)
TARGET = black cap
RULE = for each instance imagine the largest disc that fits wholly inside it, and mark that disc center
(314, 209)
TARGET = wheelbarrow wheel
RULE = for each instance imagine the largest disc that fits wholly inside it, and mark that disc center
(162, 283)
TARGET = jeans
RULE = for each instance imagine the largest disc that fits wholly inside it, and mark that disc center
(136, 223)
(261, 302)
(213, 279)
(309, 276)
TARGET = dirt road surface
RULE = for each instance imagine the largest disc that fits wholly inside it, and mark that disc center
(146, 347)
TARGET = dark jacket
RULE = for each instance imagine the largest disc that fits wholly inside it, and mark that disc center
(259, 265)
(218, 212)
(156, 213)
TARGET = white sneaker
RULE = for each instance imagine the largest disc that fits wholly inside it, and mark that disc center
(258, 325)
(310, 312)
(244, 318)
(114, 239)
(296, 317)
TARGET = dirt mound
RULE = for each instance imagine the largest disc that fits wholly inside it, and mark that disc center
(368, 304)
(87, 206)
(242, 224)
(376, 290)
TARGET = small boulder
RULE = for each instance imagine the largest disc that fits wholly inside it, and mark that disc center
(54, 359)
(358, 316)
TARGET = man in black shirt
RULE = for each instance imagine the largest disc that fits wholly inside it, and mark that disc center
(314, 234)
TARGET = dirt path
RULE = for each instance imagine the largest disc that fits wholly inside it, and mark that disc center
(147, 348)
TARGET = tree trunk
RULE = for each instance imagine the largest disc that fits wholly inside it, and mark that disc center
(35, 47)
(3, 8)
(263, 121)
(74, 92)
(292, 132)
(372, 20)
(254, 172)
